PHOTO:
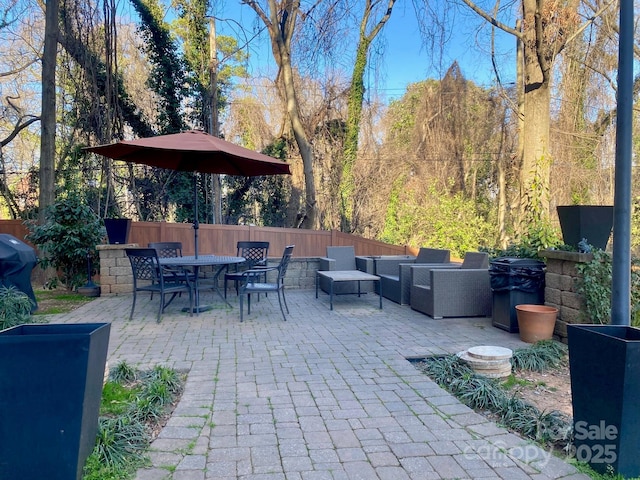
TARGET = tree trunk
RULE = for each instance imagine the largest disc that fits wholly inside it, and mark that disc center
(306, 151)
(354, 114)
(536, 161)
(356, 97)
(48, 114)
(546, 27)
(281, 25)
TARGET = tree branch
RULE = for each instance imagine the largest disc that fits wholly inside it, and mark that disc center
(493, 21)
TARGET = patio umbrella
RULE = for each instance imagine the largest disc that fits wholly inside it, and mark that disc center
(193, 151)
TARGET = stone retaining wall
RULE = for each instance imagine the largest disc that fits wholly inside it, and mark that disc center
(116, 277)
(561, 288)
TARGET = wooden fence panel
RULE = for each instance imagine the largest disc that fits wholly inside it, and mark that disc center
(222, 239)
(15, 228)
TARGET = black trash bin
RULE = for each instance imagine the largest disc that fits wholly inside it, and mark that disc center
(515, 281)
(17, 260)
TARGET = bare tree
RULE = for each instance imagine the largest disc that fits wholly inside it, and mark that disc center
(280, 18)
(546, 29)
(581, 172)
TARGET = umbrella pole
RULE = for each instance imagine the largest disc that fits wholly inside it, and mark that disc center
(196, 225)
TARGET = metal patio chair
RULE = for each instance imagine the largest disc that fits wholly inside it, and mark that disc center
(255, 255)
(148, 276)
(251, 283)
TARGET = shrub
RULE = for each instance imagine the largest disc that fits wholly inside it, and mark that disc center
(70, 232)
(133, 403)
(480, 392)
(437, 219)
(538, 236)
(15, 307)
(595, 287)
(540, 356)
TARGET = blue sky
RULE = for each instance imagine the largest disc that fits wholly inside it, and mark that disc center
(405, 59)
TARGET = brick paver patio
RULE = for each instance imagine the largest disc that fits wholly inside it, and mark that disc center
(327, 395)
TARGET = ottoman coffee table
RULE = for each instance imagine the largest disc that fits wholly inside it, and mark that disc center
(347, 276)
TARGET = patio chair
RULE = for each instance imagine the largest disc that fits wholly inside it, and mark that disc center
(255, 254)
(251, 283)
(395, 274)
(148, 276)
(169, 250)
(344, 258)
(453, 291)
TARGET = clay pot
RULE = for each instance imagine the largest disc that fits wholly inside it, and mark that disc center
(536, 322)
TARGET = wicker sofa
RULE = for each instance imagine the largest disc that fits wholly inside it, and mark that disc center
(395, 273)
(456, 291)
(344, 258)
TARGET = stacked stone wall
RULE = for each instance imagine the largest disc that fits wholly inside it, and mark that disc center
(116, 277)
(561, 289)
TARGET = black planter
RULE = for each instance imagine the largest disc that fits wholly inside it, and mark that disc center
(593, 222)
(604, 362)
(89, 290)
(117, 230)
(51, 378)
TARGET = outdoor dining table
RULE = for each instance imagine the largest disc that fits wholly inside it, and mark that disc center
(193, 263)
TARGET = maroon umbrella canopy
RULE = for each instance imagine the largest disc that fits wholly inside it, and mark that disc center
(193, 151)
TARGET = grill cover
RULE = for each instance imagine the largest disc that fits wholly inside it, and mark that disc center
(17, 260)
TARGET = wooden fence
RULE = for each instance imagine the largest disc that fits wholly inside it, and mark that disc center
(222, 239)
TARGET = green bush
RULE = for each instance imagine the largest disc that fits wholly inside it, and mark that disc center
(15, 307)
(538, 236)
(595, 288)
(70, 232)
(133, 403)
(444, 221)
(540, 356)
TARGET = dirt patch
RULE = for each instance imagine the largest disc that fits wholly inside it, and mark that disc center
(58, 301)
(548, 391)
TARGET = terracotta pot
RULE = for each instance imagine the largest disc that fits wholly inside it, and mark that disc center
(536, 322)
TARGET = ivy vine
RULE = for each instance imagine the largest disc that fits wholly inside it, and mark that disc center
(595, 288)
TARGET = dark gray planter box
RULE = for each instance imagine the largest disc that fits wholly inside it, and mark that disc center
(593, 222)
(51, 378)
(604, 362)
(117, 230)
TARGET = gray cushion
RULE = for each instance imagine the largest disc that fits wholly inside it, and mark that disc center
(432, 255)
(345, 257)
(475, 260)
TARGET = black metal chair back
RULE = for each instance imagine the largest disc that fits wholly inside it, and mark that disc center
(167, 249)
(145, 265)
(284, 264)
(255, 254)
